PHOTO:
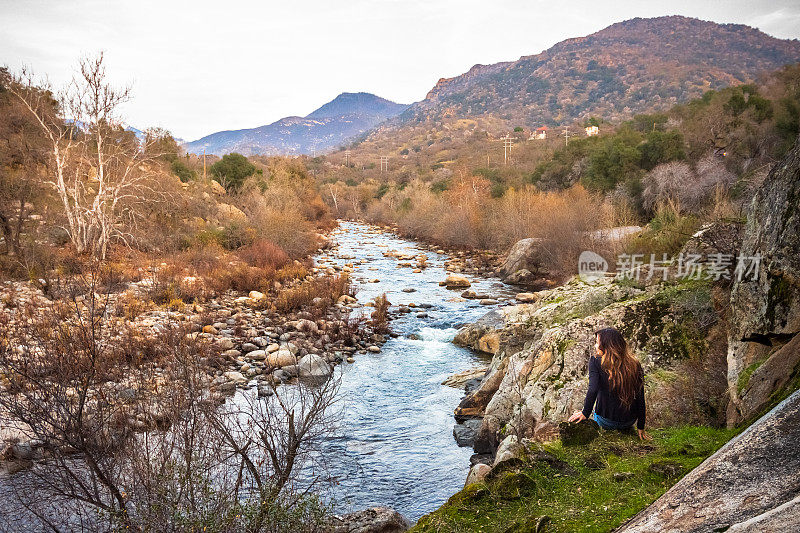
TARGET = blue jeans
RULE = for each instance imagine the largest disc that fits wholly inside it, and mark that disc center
(605, 423)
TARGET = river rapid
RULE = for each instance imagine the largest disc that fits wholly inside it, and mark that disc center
(394, 445)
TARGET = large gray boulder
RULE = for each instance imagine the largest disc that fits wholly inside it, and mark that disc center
(523, 263)
(763, 351)
(750, 484)
(313, 366)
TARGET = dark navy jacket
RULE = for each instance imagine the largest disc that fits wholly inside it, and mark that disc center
(608, 405)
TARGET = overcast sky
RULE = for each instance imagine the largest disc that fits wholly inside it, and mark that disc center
(199, 67)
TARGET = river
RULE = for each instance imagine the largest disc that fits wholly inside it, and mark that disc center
(395, 445)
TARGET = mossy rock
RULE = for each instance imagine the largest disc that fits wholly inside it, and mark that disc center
(578, 434)
(510, 465)
(513, 485)
(473, 492)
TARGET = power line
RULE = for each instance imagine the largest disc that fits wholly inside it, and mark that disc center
(566, 135)
(506, 148)
(385, 163)
(346, 157)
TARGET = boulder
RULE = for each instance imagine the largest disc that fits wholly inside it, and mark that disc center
(255, 295)
(281, 358)
(465, 432)
(313, 366)
(216, 188)
(236, 377)
(477, 473)
(228, 213)
(750, 484)
(372, 520)
(765, 304)
(578, 434)
(456, 281)
(526, 254)
(510, 448)
(526, 297)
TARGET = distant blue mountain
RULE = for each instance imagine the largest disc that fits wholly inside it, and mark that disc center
(345, 117)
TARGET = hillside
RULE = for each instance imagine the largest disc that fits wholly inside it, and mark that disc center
(629, 67)
(347, 116)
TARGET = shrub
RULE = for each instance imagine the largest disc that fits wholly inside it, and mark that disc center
(232, 170)
(329, 288)
(379, 319)
(263, 254)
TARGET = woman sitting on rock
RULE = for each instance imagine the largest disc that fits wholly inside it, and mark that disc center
(616, 383)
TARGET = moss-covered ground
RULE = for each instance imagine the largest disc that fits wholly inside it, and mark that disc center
(589, 487)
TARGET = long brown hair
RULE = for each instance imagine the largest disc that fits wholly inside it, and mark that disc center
(625, 373)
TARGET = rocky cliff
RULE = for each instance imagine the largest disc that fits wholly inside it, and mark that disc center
(538, 373)
(764, 334)
(750, 484)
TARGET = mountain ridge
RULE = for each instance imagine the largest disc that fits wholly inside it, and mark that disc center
(636, 65)
(343, 118)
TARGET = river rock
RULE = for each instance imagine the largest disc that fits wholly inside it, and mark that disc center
(488, 301)
(477, 473)
(764, 332)
(464, 433)
(249, 347)
(455, 281)
(526, 297)
(236, 377)
(257, 355)
(313, 366)
(281, 358)
(526, 254)
(274, 347)
(510, 448)
(372, 520)
(307, 326)
(255, 295)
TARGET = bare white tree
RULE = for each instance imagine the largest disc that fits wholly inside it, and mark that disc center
(99, 171)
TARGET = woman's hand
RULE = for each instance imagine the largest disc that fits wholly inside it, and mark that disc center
(643, 435)
(577, 416)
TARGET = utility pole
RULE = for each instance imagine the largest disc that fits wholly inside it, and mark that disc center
(346, 157)
(566, 135)
(506, 149)
(385, 163)
(205, 177)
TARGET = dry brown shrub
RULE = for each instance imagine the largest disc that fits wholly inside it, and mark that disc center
(379, 319)
(328, 288)
(241, 278)
(291, 272)
(263, 254)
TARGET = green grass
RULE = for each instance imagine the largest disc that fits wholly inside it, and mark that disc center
(581, 492)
